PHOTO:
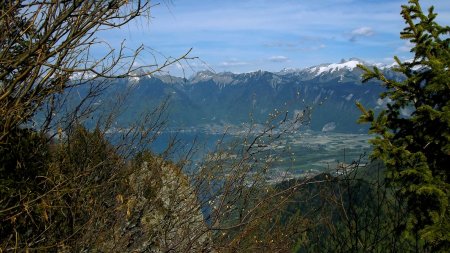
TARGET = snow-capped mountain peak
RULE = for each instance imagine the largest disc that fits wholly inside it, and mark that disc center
(85, 75)
(333, 67)
(202, 76)
(289, 70)
(134, 79)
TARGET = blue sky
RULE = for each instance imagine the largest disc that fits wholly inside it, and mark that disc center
(248, 35)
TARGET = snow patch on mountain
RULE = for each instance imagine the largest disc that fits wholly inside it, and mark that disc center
(328, 127)
(349, 97)
(81, 76)
(134, 79)
(382, 103)
(329, 68)
(202, 76)
(289, 71)
(222, 79)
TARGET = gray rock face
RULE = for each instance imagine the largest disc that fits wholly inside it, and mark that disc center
(160, 213)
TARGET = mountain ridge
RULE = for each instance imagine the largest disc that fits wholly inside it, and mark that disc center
(329, 90)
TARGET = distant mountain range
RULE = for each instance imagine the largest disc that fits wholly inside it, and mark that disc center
(208, 98)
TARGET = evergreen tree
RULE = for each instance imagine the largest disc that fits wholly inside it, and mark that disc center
(413, 132)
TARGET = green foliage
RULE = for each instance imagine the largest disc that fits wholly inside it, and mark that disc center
(23, 162)
(23, 156)
(89, 151)
(52, 193)
(350, 213)
(415, 146)
(77, 194)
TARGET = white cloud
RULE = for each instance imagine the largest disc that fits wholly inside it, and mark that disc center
(259, 15)
(319, 47)
(310, 32)
(278, 58)
(282, 44)
(364, 31)
(233, 63)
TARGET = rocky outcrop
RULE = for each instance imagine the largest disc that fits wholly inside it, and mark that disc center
(159, 213)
